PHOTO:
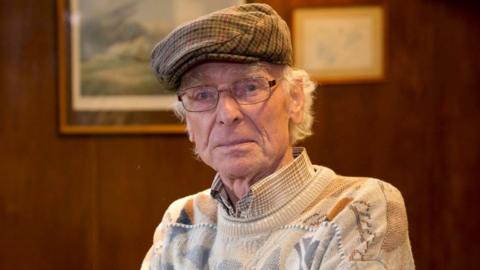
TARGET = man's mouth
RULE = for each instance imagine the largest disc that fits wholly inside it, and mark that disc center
(234, 143)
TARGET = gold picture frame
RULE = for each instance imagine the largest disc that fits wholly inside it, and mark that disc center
(340, 44)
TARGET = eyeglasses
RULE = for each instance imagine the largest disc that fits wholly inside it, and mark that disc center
(245, 91)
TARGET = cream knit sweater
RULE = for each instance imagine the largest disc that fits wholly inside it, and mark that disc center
(321, 221)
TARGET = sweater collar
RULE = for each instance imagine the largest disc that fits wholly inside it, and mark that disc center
(270, 193)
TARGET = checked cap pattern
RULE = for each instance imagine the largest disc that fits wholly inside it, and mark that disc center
(243, 34)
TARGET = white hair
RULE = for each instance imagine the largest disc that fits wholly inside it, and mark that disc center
(303, 129)
(292, 76)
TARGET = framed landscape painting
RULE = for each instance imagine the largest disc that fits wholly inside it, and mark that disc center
(105, 81)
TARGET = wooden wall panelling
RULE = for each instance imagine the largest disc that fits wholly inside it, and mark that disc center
(46, 182)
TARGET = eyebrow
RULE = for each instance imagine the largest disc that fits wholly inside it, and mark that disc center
(191, 78)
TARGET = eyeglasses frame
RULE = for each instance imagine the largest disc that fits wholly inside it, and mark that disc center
(271, 88)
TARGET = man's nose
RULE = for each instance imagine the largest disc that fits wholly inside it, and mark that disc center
(228, 109)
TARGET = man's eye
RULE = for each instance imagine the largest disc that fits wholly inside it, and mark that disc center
(251, 87)
(201, 95)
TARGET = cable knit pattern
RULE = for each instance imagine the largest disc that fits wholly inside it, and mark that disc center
(330, 222)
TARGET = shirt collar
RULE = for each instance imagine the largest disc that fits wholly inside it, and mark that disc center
(270, 193)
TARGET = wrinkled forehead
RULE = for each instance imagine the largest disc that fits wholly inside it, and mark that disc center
(211, 71)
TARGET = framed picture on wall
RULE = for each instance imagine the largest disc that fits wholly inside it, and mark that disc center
(340, 44)
(105, 81)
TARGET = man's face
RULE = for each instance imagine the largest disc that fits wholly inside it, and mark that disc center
(242, 141)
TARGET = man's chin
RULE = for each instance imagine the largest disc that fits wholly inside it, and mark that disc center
(239, 167)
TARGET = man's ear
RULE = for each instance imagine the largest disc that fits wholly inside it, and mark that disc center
(297, 101)
(190, 134)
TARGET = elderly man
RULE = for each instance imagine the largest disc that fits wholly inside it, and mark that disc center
(268, 207)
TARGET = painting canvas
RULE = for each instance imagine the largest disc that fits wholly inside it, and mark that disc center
(340, 44)
(106, 82)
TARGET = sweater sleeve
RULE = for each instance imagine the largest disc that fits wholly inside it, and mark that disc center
(371, 231)
(152, 260)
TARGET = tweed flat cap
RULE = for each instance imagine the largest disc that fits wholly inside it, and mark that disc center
(243, 34)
